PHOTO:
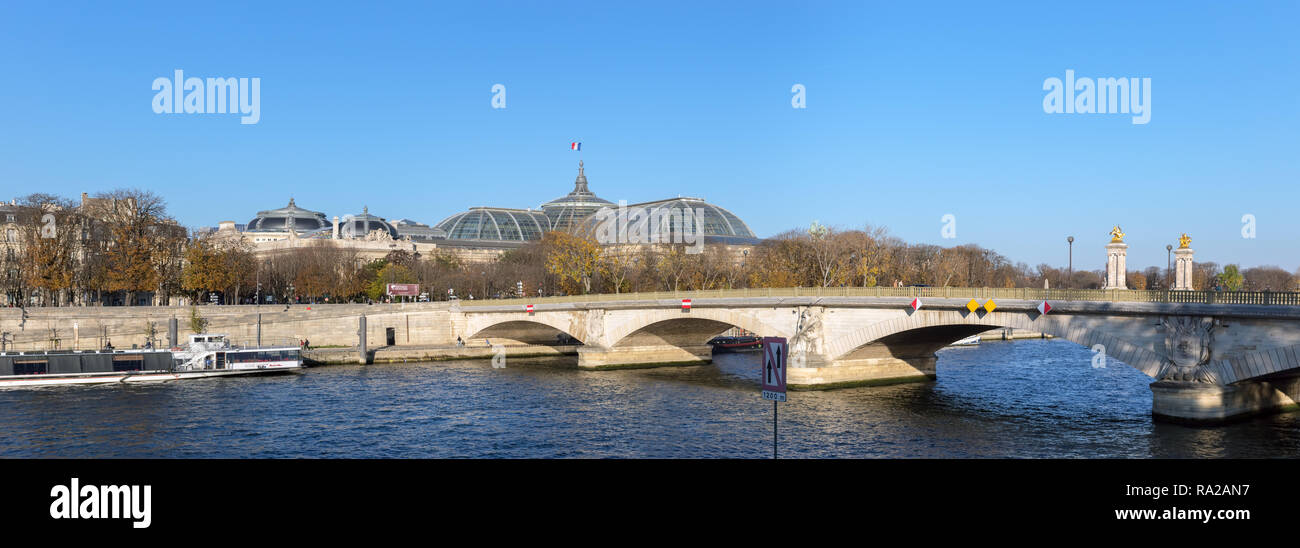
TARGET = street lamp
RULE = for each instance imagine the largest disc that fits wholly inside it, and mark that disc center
(1070, 277)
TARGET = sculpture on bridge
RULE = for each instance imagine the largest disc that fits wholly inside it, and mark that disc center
(1116, 235)
(807, 335)
(1189, 345)
(1184, 241)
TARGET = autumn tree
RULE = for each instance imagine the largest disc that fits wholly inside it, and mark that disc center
(49, 240)
(573, 258)
(139, 227)
(388, 273)
(1231, 278)
(1268, 278)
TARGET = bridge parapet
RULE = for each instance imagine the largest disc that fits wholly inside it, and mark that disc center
(1268, 298)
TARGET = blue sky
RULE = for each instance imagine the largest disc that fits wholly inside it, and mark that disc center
(913, 112)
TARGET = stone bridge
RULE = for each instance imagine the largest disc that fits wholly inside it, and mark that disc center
(1211, 362)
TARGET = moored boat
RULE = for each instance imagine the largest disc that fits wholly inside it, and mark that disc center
(735, 344)
(206, 355)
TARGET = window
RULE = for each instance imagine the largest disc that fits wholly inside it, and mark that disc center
(30, 366)
(128, 362)
(11, 235)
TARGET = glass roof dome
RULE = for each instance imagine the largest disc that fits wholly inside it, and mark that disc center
(495, 224)
(568, 211)
(288, 218)
(360, 226)
(719, 225)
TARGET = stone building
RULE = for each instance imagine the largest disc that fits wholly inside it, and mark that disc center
(478, 234)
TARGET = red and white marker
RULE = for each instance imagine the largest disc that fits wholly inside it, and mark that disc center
(686, 304)
(916, 304)
(528, 308)
(1044, 308)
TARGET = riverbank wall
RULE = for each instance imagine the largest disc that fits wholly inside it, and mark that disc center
(431, 353)
(87, 328)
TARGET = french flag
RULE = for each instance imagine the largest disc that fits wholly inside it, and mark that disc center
(575, 146)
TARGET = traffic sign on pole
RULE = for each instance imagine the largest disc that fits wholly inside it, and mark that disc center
(775, 352)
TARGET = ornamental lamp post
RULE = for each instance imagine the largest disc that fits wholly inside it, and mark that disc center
(1070, 277)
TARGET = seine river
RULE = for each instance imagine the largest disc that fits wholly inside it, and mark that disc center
(1030, 398)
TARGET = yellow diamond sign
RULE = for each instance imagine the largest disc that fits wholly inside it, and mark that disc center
(973, 305)
(990, 305)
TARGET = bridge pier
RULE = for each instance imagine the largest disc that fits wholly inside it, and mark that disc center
(639, 357)
(863, 372)
(1207, 404)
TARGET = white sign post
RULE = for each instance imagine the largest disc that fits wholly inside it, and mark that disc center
(775, 353)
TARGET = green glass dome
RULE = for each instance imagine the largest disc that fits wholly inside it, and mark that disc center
(495, 224)
(568, 211)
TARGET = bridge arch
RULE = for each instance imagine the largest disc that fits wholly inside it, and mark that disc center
(535, 329)
(699, 323)
(948, 326)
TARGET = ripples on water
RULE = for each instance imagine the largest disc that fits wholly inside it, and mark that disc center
(1035, 398)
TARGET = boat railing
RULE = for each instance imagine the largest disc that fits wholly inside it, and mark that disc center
(266, 343)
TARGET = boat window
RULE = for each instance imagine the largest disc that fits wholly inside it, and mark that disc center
(128, 362)
(30, 366)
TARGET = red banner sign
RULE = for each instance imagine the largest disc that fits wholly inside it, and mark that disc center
(403, 290)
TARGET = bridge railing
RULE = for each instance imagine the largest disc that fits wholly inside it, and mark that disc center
(1276, 298)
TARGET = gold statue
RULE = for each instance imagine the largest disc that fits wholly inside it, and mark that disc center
(1184, 241)
(1116, 236)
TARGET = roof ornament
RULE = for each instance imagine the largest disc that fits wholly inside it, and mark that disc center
(580, 185)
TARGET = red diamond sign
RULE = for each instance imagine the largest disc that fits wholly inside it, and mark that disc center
(1044, 308)
(686, 304)
(916, 304)
(528, 308)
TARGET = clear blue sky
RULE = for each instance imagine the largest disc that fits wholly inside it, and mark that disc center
(913, 112)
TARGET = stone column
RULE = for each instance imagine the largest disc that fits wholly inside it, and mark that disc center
(336, 227)
(1183, 269)
(1116, 265)
(361, 341)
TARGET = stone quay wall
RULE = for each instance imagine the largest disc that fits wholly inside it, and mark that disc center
(85, 328)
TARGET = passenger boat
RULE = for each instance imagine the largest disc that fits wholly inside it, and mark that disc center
(206, 355)
(735, 344)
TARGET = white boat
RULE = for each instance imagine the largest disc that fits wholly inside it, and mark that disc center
(206, 355)
(973, 340)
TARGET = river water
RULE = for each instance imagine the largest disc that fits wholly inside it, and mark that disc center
(1029, 398)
